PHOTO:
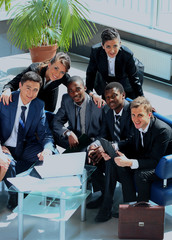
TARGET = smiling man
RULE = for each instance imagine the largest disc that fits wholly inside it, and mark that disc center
(116, 127)
(79, 112)
(24, 133)
(110, 61)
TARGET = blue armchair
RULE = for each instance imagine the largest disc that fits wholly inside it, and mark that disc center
(161, 191)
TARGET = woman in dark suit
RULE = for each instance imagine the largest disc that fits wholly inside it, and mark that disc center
(112, 62)
(53, 73)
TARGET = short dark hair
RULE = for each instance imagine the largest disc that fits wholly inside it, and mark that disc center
(75, 79)
(137, 102)
(116, 85)
(31, 76)
(110, 34)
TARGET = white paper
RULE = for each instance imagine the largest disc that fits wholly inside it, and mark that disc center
(28, 183)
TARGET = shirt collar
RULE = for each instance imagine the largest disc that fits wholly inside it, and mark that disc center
(146, 128)
(111, 59)
(119, 114)
(20, 103)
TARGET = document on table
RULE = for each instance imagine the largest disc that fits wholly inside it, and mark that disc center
(29, 183)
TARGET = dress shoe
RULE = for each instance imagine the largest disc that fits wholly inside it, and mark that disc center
(12, 202)
(115, 215)
(103, 215)
(95, 203)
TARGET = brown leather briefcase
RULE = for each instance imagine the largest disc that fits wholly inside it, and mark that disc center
(141, 221)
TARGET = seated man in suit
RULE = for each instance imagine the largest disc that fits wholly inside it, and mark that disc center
(116, 127)
(112, 62)
(151, 140)
(79, 111)
(25, 134)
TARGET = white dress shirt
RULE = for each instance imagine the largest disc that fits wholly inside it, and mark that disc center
(135, 163)
(111, 66)
(12, 140)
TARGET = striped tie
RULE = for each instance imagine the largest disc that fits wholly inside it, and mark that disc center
(21, 129)
(117, 128)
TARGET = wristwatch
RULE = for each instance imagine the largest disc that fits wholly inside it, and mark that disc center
(68, 133)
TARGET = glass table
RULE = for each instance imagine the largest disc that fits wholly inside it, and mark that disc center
(55, 198)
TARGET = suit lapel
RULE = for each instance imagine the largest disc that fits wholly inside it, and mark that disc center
(125, 117)
(88, 114)
(30, 116)
(13, 109)
(104, 65)
(111, 122)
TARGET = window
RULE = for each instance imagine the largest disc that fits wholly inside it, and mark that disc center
(150, 14)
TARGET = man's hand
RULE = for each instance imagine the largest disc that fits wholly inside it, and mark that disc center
(6, 97)
(45, 152)
(73, 140)
(5, 150)
(4, 161)
(98, 100)
(95, 154)
(122, 160)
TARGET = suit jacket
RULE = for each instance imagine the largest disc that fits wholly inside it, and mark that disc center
(36, 124)
(157, 143)
(124, 69)
(126, 125)
(66, 114)
(47, 93)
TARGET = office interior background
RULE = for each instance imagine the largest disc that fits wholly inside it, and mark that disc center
(145, 27)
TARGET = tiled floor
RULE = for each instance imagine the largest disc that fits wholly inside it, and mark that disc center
(38, 228)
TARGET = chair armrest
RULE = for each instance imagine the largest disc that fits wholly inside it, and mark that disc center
(164, 168)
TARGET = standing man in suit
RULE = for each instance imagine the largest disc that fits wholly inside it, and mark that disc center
(25, 135)
(118, 117)
(112, 62)
(85, 121)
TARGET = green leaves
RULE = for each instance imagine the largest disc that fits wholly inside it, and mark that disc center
(47, 22)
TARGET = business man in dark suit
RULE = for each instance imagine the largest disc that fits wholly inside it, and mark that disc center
(112, 62)
(152, 140)
(88, 118)
(118, 115)
(25, 134)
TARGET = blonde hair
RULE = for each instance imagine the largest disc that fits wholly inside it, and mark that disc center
(141, 101)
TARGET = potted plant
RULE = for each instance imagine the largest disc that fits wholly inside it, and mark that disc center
(44, 23)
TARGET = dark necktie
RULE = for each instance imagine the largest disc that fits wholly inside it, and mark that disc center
(20, 134)
(117, 128)
(78, 120)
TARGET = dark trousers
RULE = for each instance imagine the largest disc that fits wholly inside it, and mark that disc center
(27, 159)
(98, 177)
(143, 180)
(113, 173)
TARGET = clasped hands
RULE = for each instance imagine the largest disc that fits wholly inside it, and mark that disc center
(96, 153)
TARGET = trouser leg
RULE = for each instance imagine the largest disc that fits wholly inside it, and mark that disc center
(143, 180)
(98, 178)
(125, 177)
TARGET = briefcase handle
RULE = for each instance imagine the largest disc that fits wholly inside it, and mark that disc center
(141, 204)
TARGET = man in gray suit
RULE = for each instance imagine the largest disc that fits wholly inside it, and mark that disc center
(79, 111)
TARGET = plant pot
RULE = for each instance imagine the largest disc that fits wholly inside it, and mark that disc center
(43, 53)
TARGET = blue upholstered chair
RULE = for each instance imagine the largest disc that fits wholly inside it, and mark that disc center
(161, 191)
